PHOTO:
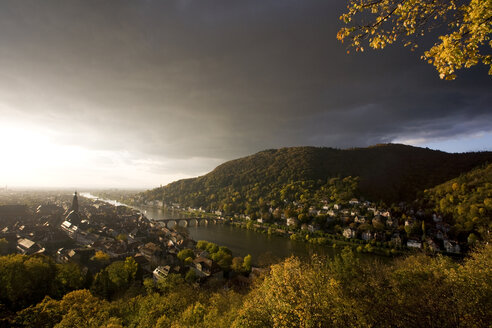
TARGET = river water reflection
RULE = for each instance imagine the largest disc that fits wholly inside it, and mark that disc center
(243, 242)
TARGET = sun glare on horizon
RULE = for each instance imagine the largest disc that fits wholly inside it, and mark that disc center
(36, 159)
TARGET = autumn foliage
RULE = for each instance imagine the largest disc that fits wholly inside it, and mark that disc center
(466, 42)
(416, 291)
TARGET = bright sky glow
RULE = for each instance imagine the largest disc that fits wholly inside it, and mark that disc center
(33, 158)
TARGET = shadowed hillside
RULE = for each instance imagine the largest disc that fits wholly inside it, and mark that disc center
(389, 172)
(465, 202)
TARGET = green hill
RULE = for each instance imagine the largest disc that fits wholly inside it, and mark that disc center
(389, 173)
(465, 202)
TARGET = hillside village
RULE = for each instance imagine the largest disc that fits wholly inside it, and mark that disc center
(356, 220)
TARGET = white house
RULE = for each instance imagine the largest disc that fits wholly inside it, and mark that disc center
(349, 233)
(414, 243)
(291, 221)
(161, 272)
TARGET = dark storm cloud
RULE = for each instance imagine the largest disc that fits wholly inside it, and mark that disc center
(219, 78)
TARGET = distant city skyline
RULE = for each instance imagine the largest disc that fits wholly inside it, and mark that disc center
(132, 94)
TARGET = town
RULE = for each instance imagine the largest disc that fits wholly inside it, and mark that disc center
(93, 233)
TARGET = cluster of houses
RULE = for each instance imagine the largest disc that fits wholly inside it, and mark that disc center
(73, 233)
(363, 220)
(356, 219)
(29, 230)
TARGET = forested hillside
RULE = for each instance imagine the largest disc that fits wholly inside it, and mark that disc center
(388, 173)
(466, 201)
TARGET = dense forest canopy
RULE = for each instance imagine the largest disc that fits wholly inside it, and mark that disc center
(416, 291)
(389, 173)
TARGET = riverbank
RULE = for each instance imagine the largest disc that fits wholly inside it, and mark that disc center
(318, 238)
(272, 239)
(321, 240)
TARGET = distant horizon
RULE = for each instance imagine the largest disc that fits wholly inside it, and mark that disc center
(83, 188)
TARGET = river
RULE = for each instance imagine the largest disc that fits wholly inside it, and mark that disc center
(262, 247)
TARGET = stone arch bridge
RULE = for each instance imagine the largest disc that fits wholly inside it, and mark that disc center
(187, 222)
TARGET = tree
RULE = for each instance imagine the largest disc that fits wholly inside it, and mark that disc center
(116, 277)
(173, 281)
(47, 313)
(122, 237)
(131, 268)
(290, 212)
(102, 286)
(69, 277)
(81, 309)
(223, 258)
(185, 253)
(191, 276)
(122, 273)
(382, 22)
(249, 225)
(4, 246)
(247, 263)
(202, 244)
(408, 229)
(149, 285)
(212, 248)
(225, 262)
(472, 239)
(101, 257)
(345, 267)
(291, 297)
(237, 264)
(193, 315)
(303, 218)
(365, 227)
(26, 280)
(225, 250)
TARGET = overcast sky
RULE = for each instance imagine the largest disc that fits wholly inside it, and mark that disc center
(140, 93)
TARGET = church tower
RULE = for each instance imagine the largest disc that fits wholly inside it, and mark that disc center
(75, 203)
